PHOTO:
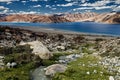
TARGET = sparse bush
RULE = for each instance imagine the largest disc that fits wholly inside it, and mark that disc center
(99, 39)
(5, 50)
(22, 49)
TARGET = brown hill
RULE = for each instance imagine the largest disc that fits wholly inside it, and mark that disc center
(111, 18)
(34, 18)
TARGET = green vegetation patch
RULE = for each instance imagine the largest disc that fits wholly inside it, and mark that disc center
(85, 68)
(19, 73)
(26, 61)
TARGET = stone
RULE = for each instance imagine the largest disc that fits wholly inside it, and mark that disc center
(13, 64)
(61, 47)
(95, 71)
(39, 49)
(8, 65)
(88, 73)
(111, 78)
(51, 70)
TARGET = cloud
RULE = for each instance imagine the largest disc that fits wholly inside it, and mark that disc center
(36, 6)
(116, 8)
(117, 1)
(48, 6)
(83, 1)
(31, 12)
(97, 3)
(53, 8)
(83, 8)
(96, 8)
(38, 0)
(5, 11)
(23, 1)
(68, 0)
(104, 7)
(66, 5)
(3, 8)
(8, 0)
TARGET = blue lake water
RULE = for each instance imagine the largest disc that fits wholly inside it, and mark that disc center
(86, 27)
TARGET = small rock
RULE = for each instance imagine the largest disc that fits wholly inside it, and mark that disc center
(88, 73)
(111, 78)
(51, 70)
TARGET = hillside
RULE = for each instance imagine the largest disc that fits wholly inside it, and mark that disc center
(111, 18)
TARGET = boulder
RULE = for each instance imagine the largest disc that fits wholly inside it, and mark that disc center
(8, 64)
(51, 70)
(39, 49)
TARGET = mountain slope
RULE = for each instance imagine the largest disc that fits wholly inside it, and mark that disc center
(111, 18)
(34, 18)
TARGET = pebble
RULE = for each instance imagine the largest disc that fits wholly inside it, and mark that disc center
(111, 78)
(88, 73)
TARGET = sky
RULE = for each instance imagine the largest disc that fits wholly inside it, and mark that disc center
(58, 6)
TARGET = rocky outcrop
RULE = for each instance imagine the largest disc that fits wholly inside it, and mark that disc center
(51, 70)
(39, 49)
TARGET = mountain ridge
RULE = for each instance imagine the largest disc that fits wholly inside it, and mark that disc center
(110, 18)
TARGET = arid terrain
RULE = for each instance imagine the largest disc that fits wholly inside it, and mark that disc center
(111, 18)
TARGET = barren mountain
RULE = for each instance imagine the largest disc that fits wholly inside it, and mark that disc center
(79, 17)
(34, 18)
(111, 18)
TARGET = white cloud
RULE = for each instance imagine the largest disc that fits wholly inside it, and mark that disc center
(3, 8)
(66, 5)
(83, 8)
(96, 8)
(38, 0)
(117, 1)
(97, 3)
(83, 1)
(68, 0)
(37, 6)
(5, 11)
(53, 8)
(31, 12)
(105, 7)
(48, 6)
(116, 8)
(8, 0)
(23, 1)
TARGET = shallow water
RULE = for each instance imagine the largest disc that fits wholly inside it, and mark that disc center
(86, 27)
(39, 74)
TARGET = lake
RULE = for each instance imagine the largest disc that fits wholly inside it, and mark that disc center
(85, 27)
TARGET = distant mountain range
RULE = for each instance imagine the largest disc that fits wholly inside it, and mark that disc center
(111, 18)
